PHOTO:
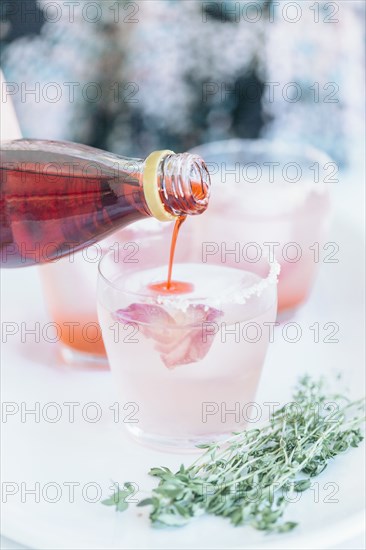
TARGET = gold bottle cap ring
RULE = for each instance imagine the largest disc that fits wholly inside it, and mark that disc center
(151, 189)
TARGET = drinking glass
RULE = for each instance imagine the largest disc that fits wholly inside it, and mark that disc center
(69, 287)
(182, 362)
(274, 195)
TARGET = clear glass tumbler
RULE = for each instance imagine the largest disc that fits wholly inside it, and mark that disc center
(69, 287)
(184, 361)
(273, 195)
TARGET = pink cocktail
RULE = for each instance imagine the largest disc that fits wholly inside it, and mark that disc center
(183, 361)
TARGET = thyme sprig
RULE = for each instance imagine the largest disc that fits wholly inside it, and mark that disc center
(248, 477)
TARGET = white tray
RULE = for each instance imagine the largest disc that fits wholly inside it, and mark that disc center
(99, 452)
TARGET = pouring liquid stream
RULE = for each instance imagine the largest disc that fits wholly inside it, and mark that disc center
(170, 286)
(178, 287)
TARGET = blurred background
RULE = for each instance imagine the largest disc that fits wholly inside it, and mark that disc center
(130, 77)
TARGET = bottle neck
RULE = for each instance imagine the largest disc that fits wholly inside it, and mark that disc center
(175, 185)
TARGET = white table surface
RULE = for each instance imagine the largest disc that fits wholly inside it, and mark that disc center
(351, 202)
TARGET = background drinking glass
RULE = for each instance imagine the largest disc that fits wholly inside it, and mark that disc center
(269, 192)
(69, 287)
(179, 359)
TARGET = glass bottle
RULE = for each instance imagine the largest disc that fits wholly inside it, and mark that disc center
(60, 197)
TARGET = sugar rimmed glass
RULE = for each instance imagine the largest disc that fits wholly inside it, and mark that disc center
(182, 362)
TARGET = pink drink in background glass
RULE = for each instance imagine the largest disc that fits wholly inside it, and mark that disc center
(269, 192)
(70, 290)
(183, 360)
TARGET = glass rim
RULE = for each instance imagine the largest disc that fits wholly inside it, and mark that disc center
(183, 301)
(283, 146)
(261, 146)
